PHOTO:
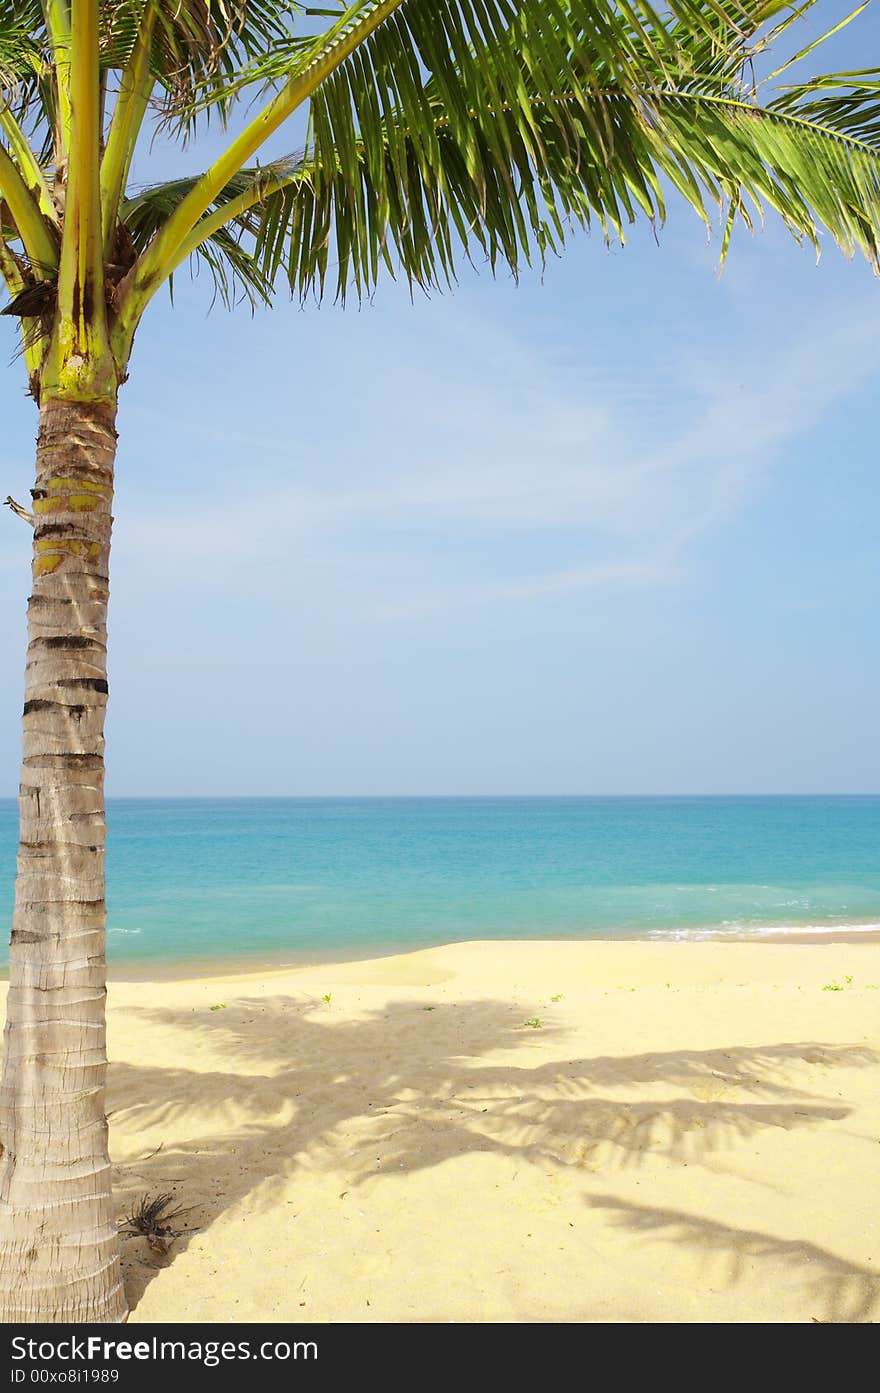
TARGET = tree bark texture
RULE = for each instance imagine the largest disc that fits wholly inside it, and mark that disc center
(59, 1246)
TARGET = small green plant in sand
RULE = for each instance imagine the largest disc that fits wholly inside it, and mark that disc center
(557, 997)
(326, 997)
(832, 987)
(218, 1006)
(535, 1022)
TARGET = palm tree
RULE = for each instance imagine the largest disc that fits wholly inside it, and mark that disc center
(436, 130)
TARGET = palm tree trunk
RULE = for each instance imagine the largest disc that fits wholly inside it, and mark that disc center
(59, 1250)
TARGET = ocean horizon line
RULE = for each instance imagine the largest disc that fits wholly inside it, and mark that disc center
(459, 797)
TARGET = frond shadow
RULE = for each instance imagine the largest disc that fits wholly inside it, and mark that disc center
(843, 1291)
(407, 1088)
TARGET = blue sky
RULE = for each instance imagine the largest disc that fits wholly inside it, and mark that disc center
(613, 530)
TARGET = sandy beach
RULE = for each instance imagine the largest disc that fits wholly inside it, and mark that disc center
(590, 1132)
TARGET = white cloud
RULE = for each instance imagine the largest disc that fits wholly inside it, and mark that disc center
(485, 442)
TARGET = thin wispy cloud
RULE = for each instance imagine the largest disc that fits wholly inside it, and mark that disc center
(528, 451)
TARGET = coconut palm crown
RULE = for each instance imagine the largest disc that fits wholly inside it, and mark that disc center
(432, 133)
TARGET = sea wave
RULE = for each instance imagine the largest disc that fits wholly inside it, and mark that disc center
(728, 930)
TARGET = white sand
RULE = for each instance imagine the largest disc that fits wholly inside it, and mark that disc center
(691, 1133)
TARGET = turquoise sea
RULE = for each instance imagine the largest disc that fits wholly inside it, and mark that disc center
(287, 879)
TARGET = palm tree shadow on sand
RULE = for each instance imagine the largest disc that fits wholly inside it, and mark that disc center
(408, 1087)
(843, 1291)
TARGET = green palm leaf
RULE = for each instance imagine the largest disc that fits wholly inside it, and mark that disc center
(445, 130)
(234, 271)
(397, 176)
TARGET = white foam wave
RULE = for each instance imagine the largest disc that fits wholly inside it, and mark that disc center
(728, 930)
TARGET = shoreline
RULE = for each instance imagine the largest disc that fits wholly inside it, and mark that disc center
(194, 969)
(223, 969)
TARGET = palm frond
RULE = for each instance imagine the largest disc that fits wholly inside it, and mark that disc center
(809, 168)
(234, 271)
(21, 41)
(197, 45)
(478, 129)
(398, 177)
(620, 33)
